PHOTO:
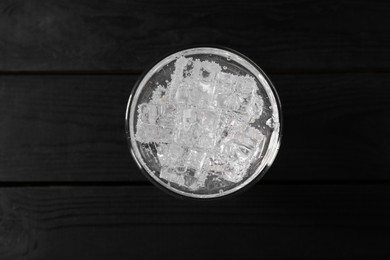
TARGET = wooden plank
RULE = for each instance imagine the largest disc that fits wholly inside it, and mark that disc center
(65, 128)
(128, 35)
(267, 222)
(71, 128)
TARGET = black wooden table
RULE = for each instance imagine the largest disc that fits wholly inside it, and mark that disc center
(70, 190)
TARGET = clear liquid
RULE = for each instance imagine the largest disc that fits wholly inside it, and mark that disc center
(200, 125)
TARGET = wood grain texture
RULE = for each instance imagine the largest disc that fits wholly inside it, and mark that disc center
(128, 35)
(70, 190)
(71, 128)
(267, 222)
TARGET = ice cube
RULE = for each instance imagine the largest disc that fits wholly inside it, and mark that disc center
(147, 113)
(225, 80)
(156, 113)
(256, 108)
(217, 167)
(197, 127)
(199, 94)
(163, 154)
(188, 118)
(194, 94)
(243, 112)
(251, 104)
(153, 133)
(235, 94)
(180, 65)
(190, 181)
(185, 128)
(245, 145)
(207, 141)
(205, 71)
(182, 166)
(219, 99)
(174, 152)
(165, 135)
(245, 85)
(207, 87)
(240, 105)
(223, 89)
(195, 159)
(232, 102)
(182, 94)
(232, 175)
(208, 120)
(184, 137)
(227, 171)
(257, 137)
(166, 115)
(155, 123)
(254, 134)
(196, 162)
(206, 93)
(146, 133)
(170, 174)
(195, 85)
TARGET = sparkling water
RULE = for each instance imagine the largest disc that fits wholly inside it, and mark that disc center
(200, 124)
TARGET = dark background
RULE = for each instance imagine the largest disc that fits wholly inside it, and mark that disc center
(70, 190)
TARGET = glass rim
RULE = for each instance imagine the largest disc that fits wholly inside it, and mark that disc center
(275, 139)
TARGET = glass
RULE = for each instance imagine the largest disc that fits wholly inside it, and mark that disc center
(204, 123)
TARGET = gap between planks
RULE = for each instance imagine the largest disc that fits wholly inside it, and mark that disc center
(140, 71)
(16, 184)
